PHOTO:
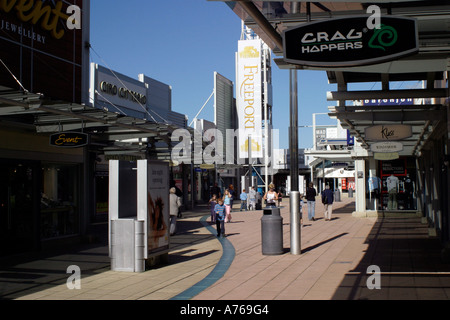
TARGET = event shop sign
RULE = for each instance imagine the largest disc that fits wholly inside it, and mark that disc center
(349, 42)
(69, 139)
(388, 132)
(386, 147)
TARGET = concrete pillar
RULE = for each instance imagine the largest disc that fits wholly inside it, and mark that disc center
(360, 184)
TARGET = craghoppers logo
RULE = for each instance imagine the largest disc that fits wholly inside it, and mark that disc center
(383, 37)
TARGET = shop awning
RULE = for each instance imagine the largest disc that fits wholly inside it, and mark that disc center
(111, 133)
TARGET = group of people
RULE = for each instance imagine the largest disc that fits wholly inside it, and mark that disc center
(327, 200)
(221, 206)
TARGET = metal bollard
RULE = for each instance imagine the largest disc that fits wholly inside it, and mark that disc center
(295, 223)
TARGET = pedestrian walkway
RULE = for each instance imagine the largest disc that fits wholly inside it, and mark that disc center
(334, 260)
(333, 265)
(194, 253)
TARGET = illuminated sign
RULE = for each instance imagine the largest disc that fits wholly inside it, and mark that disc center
(69, 139)
(349, 42)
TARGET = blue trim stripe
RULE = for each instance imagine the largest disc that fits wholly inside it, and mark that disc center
(222, 266)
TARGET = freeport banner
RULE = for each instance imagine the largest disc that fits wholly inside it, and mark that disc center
(249, 97)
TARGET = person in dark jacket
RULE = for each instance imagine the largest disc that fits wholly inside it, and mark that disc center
(311, 201)
(327, 200)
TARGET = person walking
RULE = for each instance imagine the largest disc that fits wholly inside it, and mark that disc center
(311, 201)
(174, 205)
(215, 191)
(252, 198)
(327, 200)
(227, 203)
(220, 218)
(212, 205)
(232, 194)
(271, 196)
(280, 197)
(244, 198)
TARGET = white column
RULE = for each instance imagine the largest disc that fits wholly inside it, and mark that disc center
(360, 184)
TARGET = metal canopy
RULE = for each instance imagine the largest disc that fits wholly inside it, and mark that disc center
(270, 18)
(111, 133)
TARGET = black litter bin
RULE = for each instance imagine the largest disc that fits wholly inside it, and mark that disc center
(272, 232)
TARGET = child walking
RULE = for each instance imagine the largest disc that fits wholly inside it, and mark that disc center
(212, 204)
(220, 218)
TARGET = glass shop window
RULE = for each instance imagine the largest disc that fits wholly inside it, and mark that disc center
(60, 205)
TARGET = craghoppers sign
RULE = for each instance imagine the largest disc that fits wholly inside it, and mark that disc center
(350, 42)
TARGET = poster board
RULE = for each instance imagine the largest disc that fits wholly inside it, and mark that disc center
(153, 205)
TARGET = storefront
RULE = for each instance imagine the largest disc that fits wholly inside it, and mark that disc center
(44, 66)
(393, 186)
(40, 192)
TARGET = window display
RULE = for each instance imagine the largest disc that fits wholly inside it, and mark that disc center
(398, 184)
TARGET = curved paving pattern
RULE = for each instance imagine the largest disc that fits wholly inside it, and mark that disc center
(218, 272)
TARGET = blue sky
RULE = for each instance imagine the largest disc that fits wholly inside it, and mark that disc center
(182, 43)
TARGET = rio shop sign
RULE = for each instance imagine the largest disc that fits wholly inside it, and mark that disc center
(349, 42)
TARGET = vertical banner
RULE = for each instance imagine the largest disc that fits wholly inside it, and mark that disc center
(249, 97)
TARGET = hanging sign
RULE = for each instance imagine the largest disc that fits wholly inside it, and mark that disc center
(249, 97)
(388, 132)
(386, 156)
(69, 139)
(349, 42)
(386, 147)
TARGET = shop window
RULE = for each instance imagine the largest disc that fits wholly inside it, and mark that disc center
(60, 203)
(393, 188)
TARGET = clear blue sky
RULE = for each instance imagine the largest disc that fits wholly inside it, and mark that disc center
(181, 43)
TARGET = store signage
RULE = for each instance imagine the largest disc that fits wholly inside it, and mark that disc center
(340, 165)
(120, 92)
(386, 147)
(249, 97)
(349, 42)
(388, 132)
(49, 17)
(69, 139)
(386, 156)
(49, 38)
(123, 93)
